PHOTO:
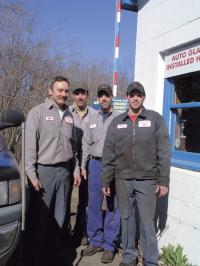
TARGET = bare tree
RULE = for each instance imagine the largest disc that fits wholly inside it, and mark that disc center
(25, 64)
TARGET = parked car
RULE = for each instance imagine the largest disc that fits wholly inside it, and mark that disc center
(10, 190)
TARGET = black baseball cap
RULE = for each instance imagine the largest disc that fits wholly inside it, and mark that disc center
(105, 88)
(135, 86)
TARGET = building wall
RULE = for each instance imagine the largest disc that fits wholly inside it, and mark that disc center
(162, 26)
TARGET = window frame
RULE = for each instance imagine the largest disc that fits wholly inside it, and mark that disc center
(181, 159)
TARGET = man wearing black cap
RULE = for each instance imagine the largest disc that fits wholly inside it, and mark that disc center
(102, 233)
(81, 113)
(137, 154)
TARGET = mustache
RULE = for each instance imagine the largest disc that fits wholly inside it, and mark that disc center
(63, 98)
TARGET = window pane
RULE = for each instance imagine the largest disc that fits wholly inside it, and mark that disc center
(187, 88)
(187, 130)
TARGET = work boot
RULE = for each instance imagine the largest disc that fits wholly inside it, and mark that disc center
(107, 256)
(84, 241)
(126, 264)
(91, 250)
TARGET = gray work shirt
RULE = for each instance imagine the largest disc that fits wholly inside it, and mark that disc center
(49, 139)
(80, 124)
(95, 134)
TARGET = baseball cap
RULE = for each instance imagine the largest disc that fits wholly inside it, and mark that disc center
(105, 88)
(80, 86)
(135, 86)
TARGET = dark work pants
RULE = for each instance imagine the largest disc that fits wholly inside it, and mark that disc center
(101, 232)
(80, 228)
(131, 195)
(81, 217)
(47, 211)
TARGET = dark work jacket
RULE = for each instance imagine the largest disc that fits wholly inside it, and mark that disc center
(139, 150)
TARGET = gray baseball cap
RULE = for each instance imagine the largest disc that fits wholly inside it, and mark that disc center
(80, 86)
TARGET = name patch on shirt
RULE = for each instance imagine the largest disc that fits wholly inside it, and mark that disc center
(144, 123)
(122, 126)
(49, 118)
(68, 119)
(93, 125)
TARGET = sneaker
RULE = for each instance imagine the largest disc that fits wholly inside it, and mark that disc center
(107, 256)
(91, 250)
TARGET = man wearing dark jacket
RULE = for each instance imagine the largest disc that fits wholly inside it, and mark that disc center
(137, 154)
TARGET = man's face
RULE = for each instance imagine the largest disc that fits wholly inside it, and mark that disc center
(135, 101)
(105, 100)
(59, 92)
(81, 98)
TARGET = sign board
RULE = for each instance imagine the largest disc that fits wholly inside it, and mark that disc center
(130, 5)
(183, 61)
(120, 104)
(95, 105)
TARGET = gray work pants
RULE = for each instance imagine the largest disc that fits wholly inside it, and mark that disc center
(55, 181)
(137, 198)
(48, 210)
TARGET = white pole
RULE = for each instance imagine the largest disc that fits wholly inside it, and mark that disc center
(116, 48)
(23, 178)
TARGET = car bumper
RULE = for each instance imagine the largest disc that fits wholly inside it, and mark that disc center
(10, 227)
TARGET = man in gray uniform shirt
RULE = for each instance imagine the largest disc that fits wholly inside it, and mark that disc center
(102, 233)
(50, 162)
(81, 113)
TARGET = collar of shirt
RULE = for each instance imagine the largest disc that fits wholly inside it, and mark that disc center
(80, 112)
(142, 114)
(109, 113)
(51, 104)
(90, 110)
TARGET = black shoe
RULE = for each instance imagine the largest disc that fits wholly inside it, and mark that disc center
(91, 250)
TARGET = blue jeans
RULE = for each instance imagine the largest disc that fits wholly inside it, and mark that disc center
(102, 232)
(137, 202)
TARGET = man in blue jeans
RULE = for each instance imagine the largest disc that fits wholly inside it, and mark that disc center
(137, 154)
(102, 233)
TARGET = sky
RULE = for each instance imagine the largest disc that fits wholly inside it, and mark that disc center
(88, 25)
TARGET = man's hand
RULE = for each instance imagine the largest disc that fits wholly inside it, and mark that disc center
(84, 174)
(77, 180)
(161, 191)
(36, 184)
(106, 191)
